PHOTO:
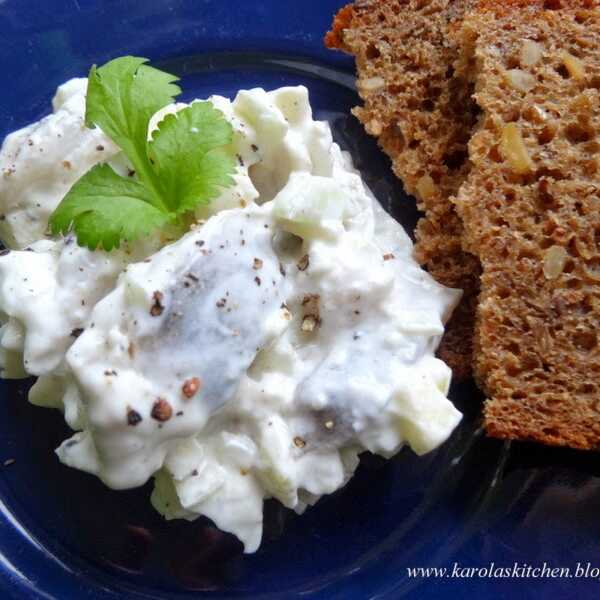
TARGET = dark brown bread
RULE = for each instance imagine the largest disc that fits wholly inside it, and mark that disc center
(422, 114)
(531, 212)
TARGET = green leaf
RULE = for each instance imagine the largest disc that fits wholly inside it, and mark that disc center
(122, 96)
(187, 162)
(190, 157)
(104, 208)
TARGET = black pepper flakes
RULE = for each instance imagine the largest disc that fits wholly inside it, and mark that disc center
(200, 243)
(299, 442)
(161, 410)
(191, 386)
(133, 417)
(312, 319)
(221, 303)
(240, 160)
(157, 307)
(309, 323)
(76, 332)
(388, 256)
(257, 264)
(254, 147)
(257, 280)
(303, 263)
(100, 147)
(311, 300)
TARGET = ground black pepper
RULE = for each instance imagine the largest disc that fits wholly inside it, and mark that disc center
(133, 417)
(161, 410)
(191, 386)
(157, 308)
(303, 263)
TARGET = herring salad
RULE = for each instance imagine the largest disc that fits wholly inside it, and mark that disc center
(248, 346)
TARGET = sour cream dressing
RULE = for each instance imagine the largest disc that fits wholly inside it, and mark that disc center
(257, 356)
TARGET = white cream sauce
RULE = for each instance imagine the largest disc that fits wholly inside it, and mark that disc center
(256, 356)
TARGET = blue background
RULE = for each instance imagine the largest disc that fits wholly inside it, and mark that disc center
(474, 501)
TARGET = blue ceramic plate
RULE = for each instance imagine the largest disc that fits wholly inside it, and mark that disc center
(472, 503)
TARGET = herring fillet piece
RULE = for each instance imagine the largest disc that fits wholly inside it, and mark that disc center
(196, 309)
(32, 180)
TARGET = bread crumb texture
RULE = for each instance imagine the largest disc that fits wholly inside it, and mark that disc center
(531, 212)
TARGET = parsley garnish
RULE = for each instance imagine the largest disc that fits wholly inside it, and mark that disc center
(184, 164)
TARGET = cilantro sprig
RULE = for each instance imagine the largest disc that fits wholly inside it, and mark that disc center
(185, 163)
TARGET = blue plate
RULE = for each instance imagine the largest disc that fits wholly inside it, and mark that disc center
(475, 503)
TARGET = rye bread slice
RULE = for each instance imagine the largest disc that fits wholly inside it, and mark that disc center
(422, 114)
(531, 212)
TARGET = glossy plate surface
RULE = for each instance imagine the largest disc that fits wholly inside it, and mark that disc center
(473, 502)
